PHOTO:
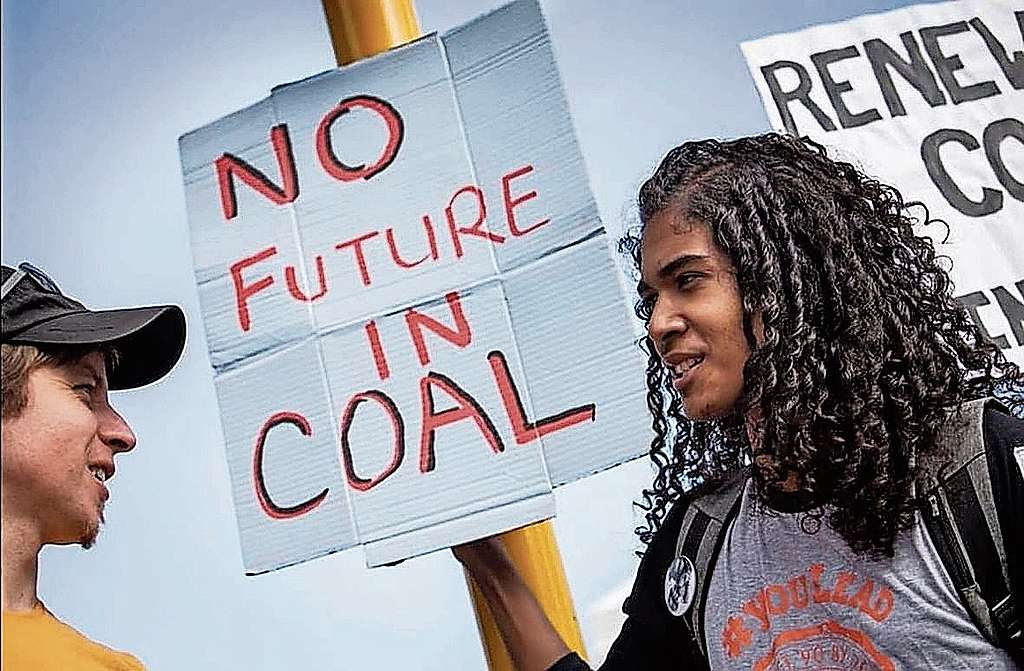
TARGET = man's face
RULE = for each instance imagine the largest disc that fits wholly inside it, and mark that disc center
(60, 450)
(696, 322)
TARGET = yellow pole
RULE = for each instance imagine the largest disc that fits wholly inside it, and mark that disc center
(363, 28)
(359, 29)
(535, 554)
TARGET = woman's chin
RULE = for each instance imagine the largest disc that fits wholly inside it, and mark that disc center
(700, 408)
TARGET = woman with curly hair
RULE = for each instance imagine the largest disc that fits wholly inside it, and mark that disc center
(806, 354)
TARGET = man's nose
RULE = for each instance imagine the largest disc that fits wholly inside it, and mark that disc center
(115, 432)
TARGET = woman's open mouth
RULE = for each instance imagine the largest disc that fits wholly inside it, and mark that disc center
(683, 371)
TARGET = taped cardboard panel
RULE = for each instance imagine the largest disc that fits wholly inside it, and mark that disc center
(241, 261)
(232, 224)
(291, 503)
(577, 348)
(462, 530)
(433, 441)
(387, 235)
(510, 95)
(242, 130)
(261, 317)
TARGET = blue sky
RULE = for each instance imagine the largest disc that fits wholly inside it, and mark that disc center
(95, 95)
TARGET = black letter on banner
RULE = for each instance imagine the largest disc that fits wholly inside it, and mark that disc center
(993, 137)
(1014, 70)
(914, 71)
(971, 303)
(835, 90)
(1013, 310)
(946, 66)
(801, 93)
(991, 201)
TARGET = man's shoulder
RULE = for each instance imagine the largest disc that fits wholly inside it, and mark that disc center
(39, 641)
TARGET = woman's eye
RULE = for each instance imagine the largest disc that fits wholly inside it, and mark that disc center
(686, 279)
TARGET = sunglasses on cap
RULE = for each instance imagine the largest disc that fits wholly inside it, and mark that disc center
(26, 269)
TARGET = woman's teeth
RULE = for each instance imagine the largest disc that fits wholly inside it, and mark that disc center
(99, 473)
(682, 367)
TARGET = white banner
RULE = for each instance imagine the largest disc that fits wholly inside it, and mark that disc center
(928, 99)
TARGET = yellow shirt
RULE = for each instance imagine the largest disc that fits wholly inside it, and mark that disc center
(37, 641)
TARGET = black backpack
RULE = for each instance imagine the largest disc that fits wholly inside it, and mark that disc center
(959, 514)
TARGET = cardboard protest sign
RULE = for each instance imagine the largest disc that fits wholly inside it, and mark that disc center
(929, 99)
(415, 323)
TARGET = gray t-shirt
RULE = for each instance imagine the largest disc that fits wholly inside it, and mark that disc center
(782, 598)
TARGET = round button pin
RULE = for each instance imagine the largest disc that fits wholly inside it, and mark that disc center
(680, 585)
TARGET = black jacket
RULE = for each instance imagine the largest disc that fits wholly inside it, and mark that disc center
(653, 639)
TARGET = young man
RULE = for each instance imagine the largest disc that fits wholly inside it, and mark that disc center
(60, 437)
(832, 489)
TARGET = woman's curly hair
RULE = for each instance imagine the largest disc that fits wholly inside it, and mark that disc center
(864, 352)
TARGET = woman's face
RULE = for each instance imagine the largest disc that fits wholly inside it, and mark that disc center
(696, 321)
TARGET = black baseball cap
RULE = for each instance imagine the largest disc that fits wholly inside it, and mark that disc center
(148, 340)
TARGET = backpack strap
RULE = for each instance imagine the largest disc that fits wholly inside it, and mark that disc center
(700, 537)
(961, 518)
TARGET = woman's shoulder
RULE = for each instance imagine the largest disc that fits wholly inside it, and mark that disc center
(1001, 425)
(662, 548)
(723, 486)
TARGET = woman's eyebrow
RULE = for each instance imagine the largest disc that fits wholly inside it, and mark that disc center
(678, 263)
(670, 269)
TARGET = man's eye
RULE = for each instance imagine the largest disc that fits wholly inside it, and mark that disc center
(85, 389)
